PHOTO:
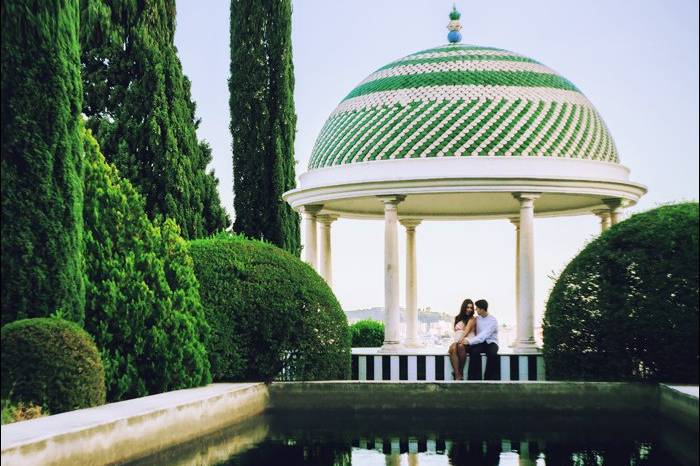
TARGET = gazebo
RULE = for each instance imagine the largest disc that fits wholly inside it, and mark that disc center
(459, 132)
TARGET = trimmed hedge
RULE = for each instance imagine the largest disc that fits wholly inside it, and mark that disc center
(626, 308)
(142, 304)
(367, 334)
(268, 311)
(53, 363)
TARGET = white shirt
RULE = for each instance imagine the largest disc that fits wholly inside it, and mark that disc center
(487, 330)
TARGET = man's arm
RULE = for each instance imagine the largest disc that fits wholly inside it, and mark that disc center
(487, 329)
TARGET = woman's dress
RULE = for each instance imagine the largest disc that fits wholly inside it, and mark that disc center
(459, 330)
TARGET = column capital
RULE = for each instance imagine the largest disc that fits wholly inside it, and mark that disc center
(613, 203)
(602, 213)
(311, 209)
(326, 219)
(515, 221)
(410, 223)
(392, 199)
(526, 196)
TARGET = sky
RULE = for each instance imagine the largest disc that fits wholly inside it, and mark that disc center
(637, 62)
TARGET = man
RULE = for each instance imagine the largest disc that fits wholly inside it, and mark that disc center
(485, 341)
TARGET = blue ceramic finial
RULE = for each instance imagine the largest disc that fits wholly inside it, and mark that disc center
(454, 26)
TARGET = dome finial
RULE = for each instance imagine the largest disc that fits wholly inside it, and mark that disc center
(454, 26)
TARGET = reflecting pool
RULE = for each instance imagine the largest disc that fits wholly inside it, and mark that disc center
(332, 438)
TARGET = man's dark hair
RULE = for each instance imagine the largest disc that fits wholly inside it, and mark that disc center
(482, 304)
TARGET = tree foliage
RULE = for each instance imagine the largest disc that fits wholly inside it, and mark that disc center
(626, 308)
(143, 305)
(52, 363)
(140, 109)
(42, 196)
(263, 121)
(367, 333)
(268, 312)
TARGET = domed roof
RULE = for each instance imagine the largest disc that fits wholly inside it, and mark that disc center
(463, 100)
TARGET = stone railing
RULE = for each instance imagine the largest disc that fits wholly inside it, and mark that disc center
(434, 365)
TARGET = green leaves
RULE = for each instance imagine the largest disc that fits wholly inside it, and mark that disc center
(51, 362)
(42, 195)
(263, 121)
(268, 312)
(139, 107)
(367, 334)
(143, 304)
(626, 308)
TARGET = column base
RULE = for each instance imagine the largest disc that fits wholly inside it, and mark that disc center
(391, 347)
(413, 344)
(526, 347)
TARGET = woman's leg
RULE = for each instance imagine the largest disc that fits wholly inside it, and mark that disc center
(454, 359)
(462, 355)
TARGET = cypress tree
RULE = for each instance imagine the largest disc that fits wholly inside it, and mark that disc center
(140, 109)
(41, 173)
(263, 120)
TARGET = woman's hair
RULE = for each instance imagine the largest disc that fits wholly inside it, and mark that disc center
(463, 315)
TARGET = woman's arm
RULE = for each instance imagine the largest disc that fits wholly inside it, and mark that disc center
(470, 326)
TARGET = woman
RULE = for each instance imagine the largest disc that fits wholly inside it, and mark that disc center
(464, 327)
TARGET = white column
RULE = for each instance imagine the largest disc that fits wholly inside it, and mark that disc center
(525, 342)
(308, 213)
(614, 205)
(391, 273)
(325, 261)
(604, 215)
(516, 222)
(411, 282)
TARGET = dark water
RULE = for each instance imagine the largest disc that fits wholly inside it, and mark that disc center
(427, 439)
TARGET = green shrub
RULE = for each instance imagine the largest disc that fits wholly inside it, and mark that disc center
(12, 412)
(367, 334)
(626, 308)
(268, 311)
(142, 304)
(51, 362)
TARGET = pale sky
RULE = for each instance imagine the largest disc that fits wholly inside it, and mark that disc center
(637, 62)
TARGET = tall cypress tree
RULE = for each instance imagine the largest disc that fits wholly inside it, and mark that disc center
(42, 195)
(263, 120)
(140, 109)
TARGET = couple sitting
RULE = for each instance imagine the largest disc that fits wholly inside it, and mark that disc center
(475, 333)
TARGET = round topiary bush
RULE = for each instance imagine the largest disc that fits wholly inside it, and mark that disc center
(53, 363)
(268, 311)
(626, 308)
(367, 334)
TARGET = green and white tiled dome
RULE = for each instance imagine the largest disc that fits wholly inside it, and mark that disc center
(463, 100)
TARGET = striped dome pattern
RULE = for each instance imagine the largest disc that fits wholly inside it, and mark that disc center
(463, 100)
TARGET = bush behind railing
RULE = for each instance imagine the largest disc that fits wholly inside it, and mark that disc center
(626, 308)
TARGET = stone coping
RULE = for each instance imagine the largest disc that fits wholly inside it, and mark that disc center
(428, 351)
(679, 403)
(691, 390)
(487, 396)
(129, 429)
